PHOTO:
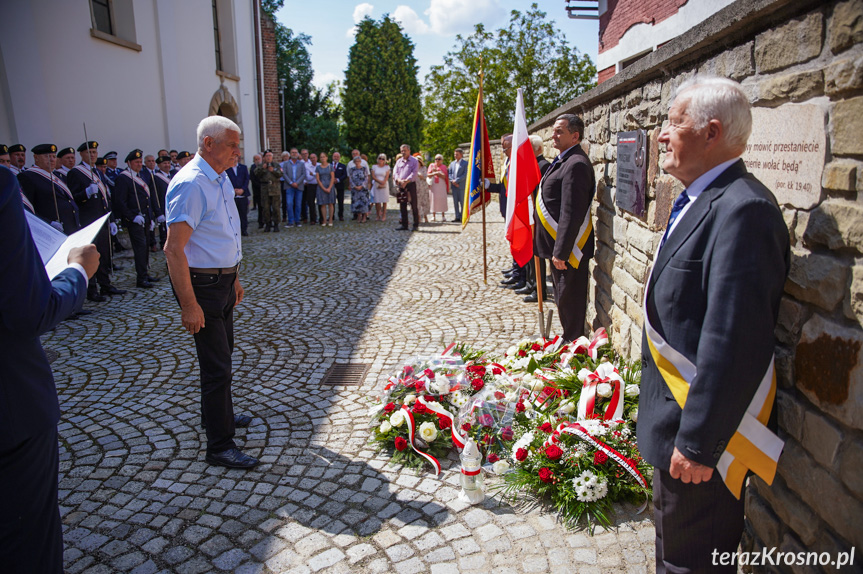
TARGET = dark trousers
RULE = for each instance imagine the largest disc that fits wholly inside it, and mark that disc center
(340, 199)
(215, 343)
(531, 273)
(138, 239)
(309, 194)
(284, 203)
(570, 294)
(243, 210)
(256, 197)
(412, 199)
(31, 537)
(103, 246)
(692, 521)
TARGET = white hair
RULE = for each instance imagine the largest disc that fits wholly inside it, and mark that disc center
(536, 143)
(714, 98)
(215, 126)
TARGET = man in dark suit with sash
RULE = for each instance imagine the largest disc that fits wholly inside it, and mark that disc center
(564, 231)
(711, 306)
(131, 201)
(31, 537)
(49, 196)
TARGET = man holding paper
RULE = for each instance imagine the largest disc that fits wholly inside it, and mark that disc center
(30, 530)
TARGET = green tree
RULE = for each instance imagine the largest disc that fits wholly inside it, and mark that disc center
(530, 53)
(381, 97)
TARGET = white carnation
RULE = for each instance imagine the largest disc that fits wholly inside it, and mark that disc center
(440, 385)
(386, 427)
(428, 432)
(632, 390)
(397, 419)
(410, 399)
(500, 467)
(523, 442)
(603, 390)
(589, 487)
(634, 416)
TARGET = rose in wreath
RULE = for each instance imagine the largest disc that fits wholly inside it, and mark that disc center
(545, 474)
(401, 443)
(553, 452)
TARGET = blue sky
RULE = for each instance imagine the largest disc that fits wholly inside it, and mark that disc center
(431, 24)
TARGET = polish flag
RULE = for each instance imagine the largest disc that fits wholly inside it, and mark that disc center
(524, 176)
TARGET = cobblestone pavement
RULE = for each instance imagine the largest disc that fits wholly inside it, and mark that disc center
(136, 496)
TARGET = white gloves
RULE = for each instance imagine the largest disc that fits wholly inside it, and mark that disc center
(57, 225)
(486, 183)
(160, 219)
(152, 225)
(139, 219)
(112, 227)
(92, 190)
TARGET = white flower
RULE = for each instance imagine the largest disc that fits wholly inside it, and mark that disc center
(386, 427)
(510, 397)
(523, 442)
(440, 385)
(632, 390)
(528, 406)
(588, 487)
(500, 467)
(458, 399)
(538, 385)
(583, 374)
(397, 419)
(634, 416)
(566, 407)
(525, 343)
(428, 432)
(603, 390)
(540, 341)
(511, 351)
(594, 427)
(410, 399)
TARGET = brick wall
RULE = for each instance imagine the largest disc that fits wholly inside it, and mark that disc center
(783, 52)
(605, 74)
(271, 84)
(622, 15)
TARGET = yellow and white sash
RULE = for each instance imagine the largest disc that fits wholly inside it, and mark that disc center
(753, 446)
(550, 225)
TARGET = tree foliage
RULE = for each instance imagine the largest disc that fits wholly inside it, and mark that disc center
(381, 97)
(530, 53)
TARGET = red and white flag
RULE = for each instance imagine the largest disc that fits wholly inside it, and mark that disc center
(524, 176)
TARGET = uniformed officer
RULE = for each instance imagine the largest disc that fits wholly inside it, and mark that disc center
(111, 172)
(51, 199)
(65, 161)
(131, 202)
(269, 177)
(175, 166)
(18, 157)
(102, 166)
(183, 158)
(91, 195)
(4, 155)
(158, 188)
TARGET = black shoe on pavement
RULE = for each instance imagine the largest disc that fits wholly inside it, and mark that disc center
(276, 227)
(96, 298)
(111, 290)
(510, 281)
(231, 458)
(152, 279)
(532, 298)
(526, 290)
(84, 312)
(402, 228)
(144, 284)
(515, 286)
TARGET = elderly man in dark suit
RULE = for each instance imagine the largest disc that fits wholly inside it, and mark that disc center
(564, 230)
(31, 538)
(239, 176)
(711, 306)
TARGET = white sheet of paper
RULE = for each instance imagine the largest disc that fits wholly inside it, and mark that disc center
(58, 260)
(47, 239)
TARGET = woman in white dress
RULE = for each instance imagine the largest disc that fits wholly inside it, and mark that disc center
(423, 198)
(438, 179)
(380, 187)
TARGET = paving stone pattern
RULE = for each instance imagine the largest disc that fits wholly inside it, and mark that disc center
(136, 495)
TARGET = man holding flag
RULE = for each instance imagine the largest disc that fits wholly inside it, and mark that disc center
(564, 231)
(523, 177)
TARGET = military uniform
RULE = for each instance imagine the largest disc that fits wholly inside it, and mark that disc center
(271, 195)
(131, 203)
(62, 171)
(159, 182)
(13, 150)
(51, 199)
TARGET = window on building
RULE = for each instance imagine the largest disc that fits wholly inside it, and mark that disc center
(114, 21)
(102, 19)
(216, 37)
(224, 39)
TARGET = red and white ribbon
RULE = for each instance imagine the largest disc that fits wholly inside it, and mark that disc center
(582, 346)
(605, 373)
(576, 429)
(411, 436)
(457, 439)
(448, 351)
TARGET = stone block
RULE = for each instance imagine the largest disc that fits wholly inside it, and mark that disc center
(828, 542)
(815, 278)
(604, 257)
(843, 75)
(853, 304)
(821, 437)
(836, 223)
(603, 233)
(840, 175)
(784, 364)
(620, 226)
(847, 124)
(652, 91)
(625, 281)
(642, 238)
(846, 25)
(850, 464)
(828, 369)
(792, 43)
(790, 413)
(634, 267)
(667, 189)
(792, 315)
(653, 156)
(735, 63)
(764, 522)
(790, 217)
(790, 509)
(796, 87)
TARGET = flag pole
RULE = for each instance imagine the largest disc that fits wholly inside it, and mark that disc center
(482, 179)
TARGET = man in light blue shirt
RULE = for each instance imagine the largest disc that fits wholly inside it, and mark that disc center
(203, 251)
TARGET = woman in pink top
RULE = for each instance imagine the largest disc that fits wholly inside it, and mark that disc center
(438, 179)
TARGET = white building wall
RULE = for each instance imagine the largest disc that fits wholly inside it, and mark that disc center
(57, 76)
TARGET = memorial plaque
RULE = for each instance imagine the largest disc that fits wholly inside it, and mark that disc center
(631, 171)
(786, 152)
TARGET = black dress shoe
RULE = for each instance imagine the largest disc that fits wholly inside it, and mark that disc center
(152, 279)
(144, 284)
(245, 234)
(402, 228)
(96, 298)
(526, 290)
(515, 286)
(111, 290)
(84, 312)
(231, 458)
(532, 298)
(510, 281)
(276, 228)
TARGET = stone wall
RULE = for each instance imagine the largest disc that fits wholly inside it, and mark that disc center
(271, 84)
(784, 53)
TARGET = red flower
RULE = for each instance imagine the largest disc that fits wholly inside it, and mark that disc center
(496, 371)
(408, 370)
(430, 398)
(420, 386)
(493, 458)
(519, 407)
(535, 347)
(420, 409)
(466, 427)
(506, 433)
(486, 420)
(390, 407)
(487, 439)
(401, 443)
(476, 370)
(429, 373)
(443, 422)
(545, 474)
(477, 384)
(546, 427)
(499, 395)
(553, 452)
(521, 353)
(599, 458)
(520, 455)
